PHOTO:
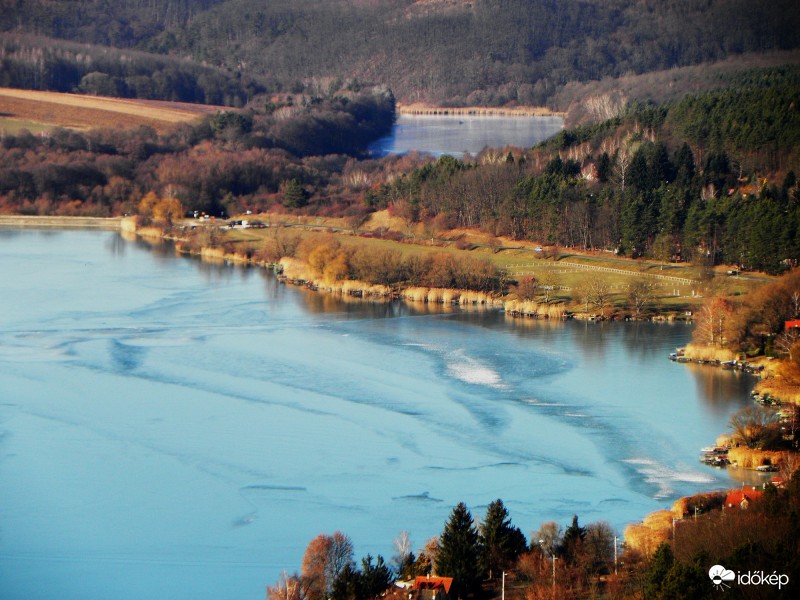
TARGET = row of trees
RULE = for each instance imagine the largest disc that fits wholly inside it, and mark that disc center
(573, 562)
(474, 554)
(754, 323)
(327, 259)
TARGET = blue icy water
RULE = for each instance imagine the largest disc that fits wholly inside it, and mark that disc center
(457, 135)
(171, 429)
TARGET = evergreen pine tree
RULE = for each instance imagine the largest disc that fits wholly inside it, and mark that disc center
(459, 552)
(573, 538)
(501, 542)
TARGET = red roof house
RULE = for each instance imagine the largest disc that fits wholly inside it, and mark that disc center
(742, 498)
(435, 585)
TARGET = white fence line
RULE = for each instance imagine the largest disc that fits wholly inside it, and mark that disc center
(669, 278)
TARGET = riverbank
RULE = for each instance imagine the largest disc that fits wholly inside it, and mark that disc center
(271, 242)
(419, 108)
(49, 222)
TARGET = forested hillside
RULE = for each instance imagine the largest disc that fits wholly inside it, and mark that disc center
(37, 63)
(445, 51)
(709, 178)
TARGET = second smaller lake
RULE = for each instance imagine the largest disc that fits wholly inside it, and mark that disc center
(460, 134)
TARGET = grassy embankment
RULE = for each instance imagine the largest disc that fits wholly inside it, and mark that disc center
(41, 111)
(676, 287)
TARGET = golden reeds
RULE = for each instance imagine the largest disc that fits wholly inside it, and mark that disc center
(645, 537)
(534, 310)
(708, 353)
(748, 458)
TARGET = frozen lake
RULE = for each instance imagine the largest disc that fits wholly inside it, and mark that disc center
(171, 429)
(456, 135)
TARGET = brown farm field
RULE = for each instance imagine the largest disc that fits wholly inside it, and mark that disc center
(38, 111)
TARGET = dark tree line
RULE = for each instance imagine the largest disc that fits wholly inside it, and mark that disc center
(36, 63)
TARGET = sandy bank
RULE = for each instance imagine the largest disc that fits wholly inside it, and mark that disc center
(36, 222)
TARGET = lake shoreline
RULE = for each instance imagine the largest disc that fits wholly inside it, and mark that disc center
(419, 108)
(57, 222)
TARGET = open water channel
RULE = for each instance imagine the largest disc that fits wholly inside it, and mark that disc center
(172, 429)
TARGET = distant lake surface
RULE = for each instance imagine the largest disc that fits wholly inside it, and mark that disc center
(456, 135)
(173, 429)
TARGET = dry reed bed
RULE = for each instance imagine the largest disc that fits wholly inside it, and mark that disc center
(781, 380)
(534, 310)
(645, 537)
(749, 458)
(449, 296)
(708, 353)
(656, 528)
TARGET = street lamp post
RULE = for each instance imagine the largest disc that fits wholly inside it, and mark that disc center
(615, 555)
(553, 556)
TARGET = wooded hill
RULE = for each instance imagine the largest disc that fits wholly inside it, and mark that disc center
(46, 64)
(484, 52)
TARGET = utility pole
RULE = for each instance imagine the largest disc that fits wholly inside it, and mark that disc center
(615, 555)
(503, 593)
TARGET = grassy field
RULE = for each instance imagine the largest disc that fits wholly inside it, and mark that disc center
(39, 111)
(678, 287)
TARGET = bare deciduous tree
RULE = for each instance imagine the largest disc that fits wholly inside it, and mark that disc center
(600, 292)
(548, 285)
(787, 343)
(640, 293)
(712, 321)
(755, 426)
(288, 587)
(325, 557)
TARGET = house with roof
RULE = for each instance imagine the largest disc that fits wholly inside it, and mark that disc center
(432, 588)
(742, 498)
